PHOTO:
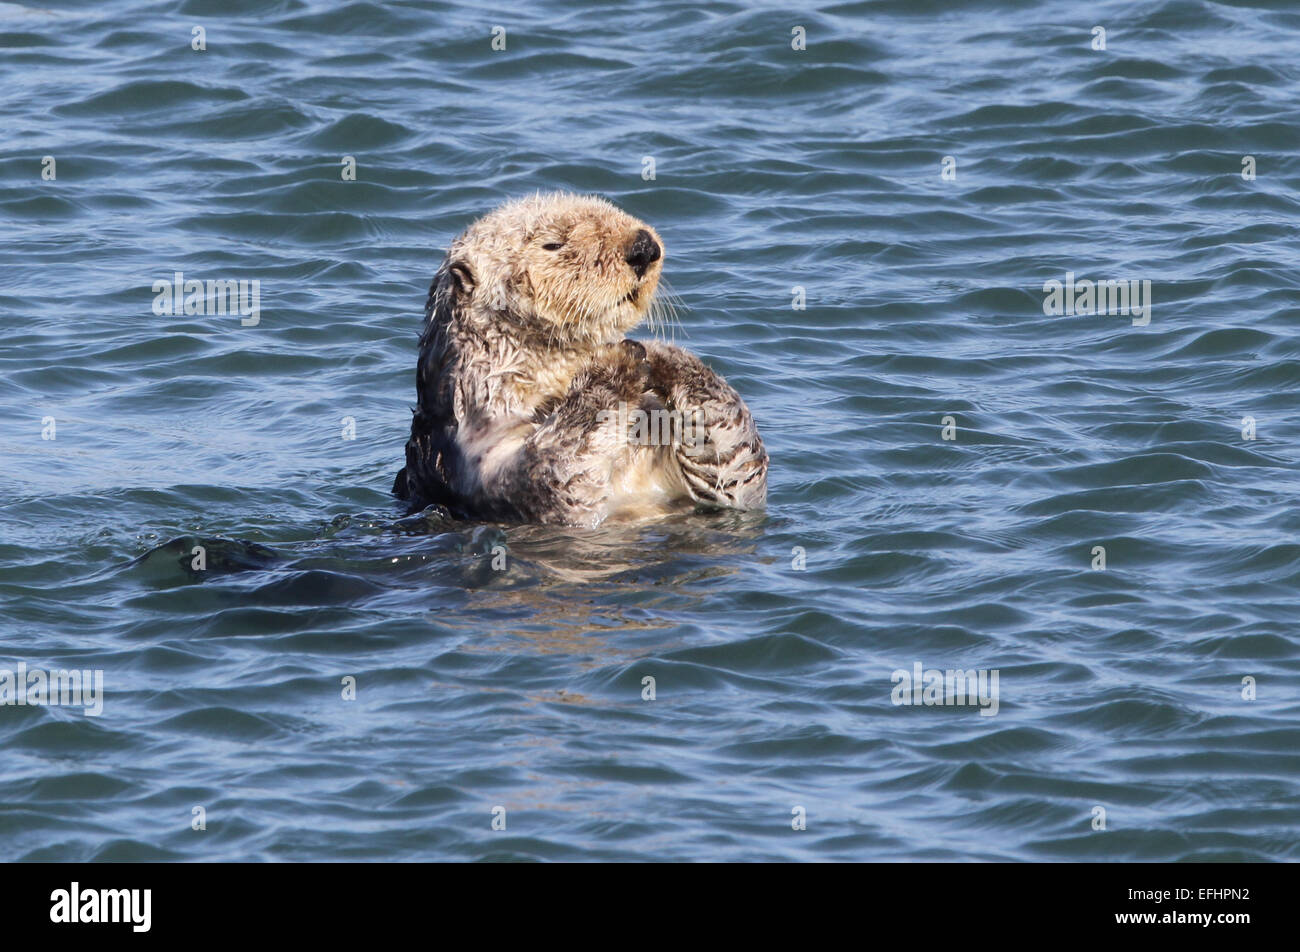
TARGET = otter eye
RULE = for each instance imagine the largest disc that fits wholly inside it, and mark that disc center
(553, 245)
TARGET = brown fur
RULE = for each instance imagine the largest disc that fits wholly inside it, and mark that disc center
(523, 370)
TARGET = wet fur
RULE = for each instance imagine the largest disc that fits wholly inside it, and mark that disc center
(523, 348)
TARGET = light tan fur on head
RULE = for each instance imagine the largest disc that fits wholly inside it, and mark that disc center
(556, 267)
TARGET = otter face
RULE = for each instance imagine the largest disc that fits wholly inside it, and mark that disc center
(573, 269)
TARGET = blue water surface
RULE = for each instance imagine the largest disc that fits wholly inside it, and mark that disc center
(1100, 509)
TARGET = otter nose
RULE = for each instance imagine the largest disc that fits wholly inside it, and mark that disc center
(642, 252)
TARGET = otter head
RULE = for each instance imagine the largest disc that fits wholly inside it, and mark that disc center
(564, 269)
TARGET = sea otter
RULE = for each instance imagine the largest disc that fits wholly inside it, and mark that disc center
(532, 407)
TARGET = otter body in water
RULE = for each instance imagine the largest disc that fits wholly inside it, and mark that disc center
(532, 407)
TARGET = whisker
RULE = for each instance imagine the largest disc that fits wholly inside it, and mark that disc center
(670, 306)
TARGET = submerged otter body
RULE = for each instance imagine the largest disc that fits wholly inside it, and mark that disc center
(532, 407)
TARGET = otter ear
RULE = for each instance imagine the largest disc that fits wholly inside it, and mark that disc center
(462, 276)
(452, 285)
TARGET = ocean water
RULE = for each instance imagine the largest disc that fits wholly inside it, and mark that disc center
(950, 463)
